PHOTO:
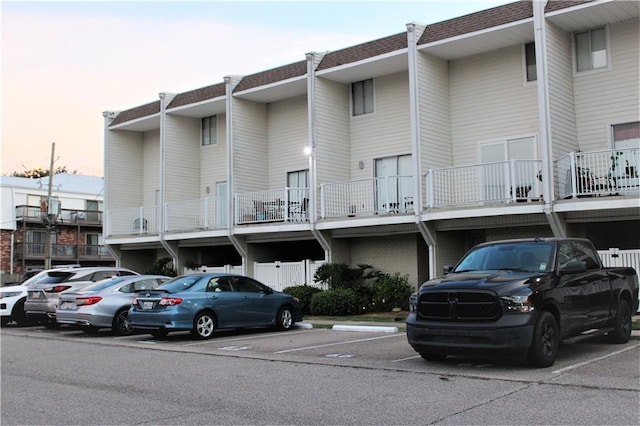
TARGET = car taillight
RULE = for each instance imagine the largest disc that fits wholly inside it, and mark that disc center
(170, 301)
(57, 289)
(92, 300)
(134, 300)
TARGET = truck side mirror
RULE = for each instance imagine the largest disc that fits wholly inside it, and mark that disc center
(447, 269)
(575, 267)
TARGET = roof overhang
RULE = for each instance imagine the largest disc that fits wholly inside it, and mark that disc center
(274, 92)
(494, 38)
(590, 15)
(142, 124)
(206, 108)
(390, 63)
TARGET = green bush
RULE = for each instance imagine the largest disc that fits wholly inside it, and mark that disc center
(304, 293)
(340, 275)
(338, 301)
(391, 291)
(162, 266)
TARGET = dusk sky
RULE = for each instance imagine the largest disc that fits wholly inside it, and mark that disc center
(64, 63)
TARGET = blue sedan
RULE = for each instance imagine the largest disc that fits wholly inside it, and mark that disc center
(202, 303)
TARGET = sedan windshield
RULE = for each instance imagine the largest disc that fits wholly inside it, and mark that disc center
(180, 283)
(529, 257)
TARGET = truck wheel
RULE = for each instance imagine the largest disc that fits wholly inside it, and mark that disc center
(430, 356)
(546, 340)
(621, 324)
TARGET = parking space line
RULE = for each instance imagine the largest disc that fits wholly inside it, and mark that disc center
(583, 363)
(262, 336)
(406, 359)
(339, 343)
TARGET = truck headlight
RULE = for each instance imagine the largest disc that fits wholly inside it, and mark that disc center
(413, 302)
(518, 303)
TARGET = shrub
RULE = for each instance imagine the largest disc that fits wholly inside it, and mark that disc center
(163, 266)
(340, 275)
(338, 301)
(391, 291)
(304, 293)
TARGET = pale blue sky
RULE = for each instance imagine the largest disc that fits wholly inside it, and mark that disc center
(63, 63)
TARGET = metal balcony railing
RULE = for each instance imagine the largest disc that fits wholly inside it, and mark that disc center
(62, 251)
(382, 195)
(133, 221)
(499, 182)
(194, 215)
(66, 216)
(276, 205)
(597, 173)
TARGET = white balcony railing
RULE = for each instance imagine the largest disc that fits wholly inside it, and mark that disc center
(596, 173)
(133, 221)
(500, 182)
(276, 205)
(389, 194)
(194, 215)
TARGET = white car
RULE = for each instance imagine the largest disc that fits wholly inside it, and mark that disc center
(12, 300)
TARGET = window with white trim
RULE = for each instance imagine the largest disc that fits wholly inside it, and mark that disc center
(530, 61)
(393, 183)
(210, 130)
(626, 143)
(362, 97)
(591, 49)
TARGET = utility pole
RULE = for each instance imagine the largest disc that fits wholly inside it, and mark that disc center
(48, 215)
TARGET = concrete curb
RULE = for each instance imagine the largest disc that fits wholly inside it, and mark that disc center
(371, 328)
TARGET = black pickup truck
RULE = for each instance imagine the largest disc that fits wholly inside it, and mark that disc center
(522, 297)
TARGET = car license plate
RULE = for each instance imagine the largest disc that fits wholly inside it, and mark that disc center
(147, 305)
(35, 295)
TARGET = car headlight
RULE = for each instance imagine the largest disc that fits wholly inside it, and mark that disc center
(413, 302)
(10, 294)
(518, 302)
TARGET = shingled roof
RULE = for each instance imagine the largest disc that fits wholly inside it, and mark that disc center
(273, 75)
(363, 51)
(137, 112)
(198, 95)
(552, 6)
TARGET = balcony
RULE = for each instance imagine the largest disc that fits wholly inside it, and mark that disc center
(598, 173)
(32, 251)
(66, 216)
(277, 205)
(133, 221)
(484, 184)
(196, 215)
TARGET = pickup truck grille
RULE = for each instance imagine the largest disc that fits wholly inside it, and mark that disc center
(459, 306)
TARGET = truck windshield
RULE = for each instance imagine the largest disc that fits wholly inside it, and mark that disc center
(522, 256)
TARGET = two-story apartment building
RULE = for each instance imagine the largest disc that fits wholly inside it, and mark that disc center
(401, 153)
(74, 219)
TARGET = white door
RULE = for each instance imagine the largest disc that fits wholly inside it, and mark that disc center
(221, 205)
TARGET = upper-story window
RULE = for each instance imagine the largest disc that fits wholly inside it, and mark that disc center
(210, 130)
(530, 61)
(362, 97)
(591, 49)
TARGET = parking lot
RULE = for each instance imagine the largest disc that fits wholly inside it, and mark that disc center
(382, 348)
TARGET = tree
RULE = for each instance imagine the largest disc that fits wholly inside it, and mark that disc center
(40, 172)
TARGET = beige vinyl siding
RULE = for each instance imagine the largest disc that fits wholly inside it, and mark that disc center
(489, 101)
(388, 254)
(332, 132)
(386, 131)
(123, 169)
(435, 120)
(182, 164)
(288, 136)
(151, 167)
(250, 148)
(611, 96)
(213, 159)
(560, 80)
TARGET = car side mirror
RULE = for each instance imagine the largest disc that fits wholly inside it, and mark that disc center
(575, 267)
(447, 269)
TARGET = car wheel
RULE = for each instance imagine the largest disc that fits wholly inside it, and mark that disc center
(204, 326)
(90, 329)
(546, 341)
(18, 314)
(430, 356)
(284, 321)
(621, 324)
(159, 333)
(120, 325)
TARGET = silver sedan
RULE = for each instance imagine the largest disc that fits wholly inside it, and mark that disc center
(104, 304)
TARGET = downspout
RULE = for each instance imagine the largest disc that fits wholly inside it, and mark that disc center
(106, 224)
(311, 120)
(163, 153)
(230, 175)
(412, 50)
(544, 117)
